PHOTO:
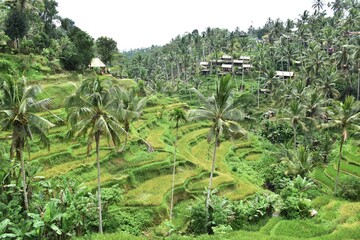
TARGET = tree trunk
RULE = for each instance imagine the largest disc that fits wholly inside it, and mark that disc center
(258, 92)
(173, 174)
(19, 154)
(212, 170)
(358, 89)
(97, 142)
(338, 165)
(294, 128)
(172, 75)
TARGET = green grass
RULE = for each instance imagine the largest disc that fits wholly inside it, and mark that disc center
(300, 229)
(253, 156)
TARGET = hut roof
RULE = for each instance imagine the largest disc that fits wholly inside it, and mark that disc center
(226, 65)
(226, 57)
(284, 74)
(96, 62)
(204, 63)
(247, 66)
(238, 61)
(244, 58)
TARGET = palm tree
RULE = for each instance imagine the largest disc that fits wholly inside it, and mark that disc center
(18, 106)
(299, 161)
(346, 117)
(90, 115)
(328, 83)
(296, 115)
(177, 115)
(128, 107)
(318, 5)
(224, 115)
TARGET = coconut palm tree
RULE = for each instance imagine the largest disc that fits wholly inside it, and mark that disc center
(295, 114)
(328, 83)
(299, 161)
(318, 5)
(90, 115)
(18, 106)
(128, 107)
(345, 117)
(178, 115)
(224, 116)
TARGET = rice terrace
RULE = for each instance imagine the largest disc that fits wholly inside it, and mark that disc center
(217, 134)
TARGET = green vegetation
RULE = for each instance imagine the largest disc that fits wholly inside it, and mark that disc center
(152, 148)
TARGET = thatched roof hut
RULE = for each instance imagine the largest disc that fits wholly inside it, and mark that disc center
(97, 63)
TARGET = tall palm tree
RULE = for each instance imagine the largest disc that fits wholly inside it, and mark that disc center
(224, 115)
(296, 115)
(90, 115)
(18, 106)
(178, 115)
(318, 5)
(345, 117)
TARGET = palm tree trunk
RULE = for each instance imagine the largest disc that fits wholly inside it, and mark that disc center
(23, 172)
(212, 169)
(258, 91)
(173, 174)
(172, 75)
(294, 128)
(338, 165)
(97, 142)
(358, 90)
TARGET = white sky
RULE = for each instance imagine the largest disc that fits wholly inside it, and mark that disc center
(142, 23)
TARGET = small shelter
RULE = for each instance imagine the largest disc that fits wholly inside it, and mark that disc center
(237, 62)
(244, 58)
(247, 67)
(97, 63)
(204, 64)
(226, 58)
(284, 74)
(226, 67)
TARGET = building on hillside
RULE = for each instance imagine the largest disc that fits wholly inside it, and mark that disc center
(96, 63)
(247, 67)
(226, 59)
(204, 64)
(227, 64)
(246, 59)
(238, 62)
(226, 67)
(204, 68)
(284, 74)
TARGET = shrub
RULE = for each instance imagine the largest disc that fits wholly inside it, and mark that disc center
(295, 196)
(349, 188)
(276, 132)
(253, 209)
(133, 222)
(199, 218)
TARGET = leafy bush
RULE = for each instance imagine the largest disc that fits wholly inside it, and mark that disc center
(133, 222)
(295, 196)
(250, 211)
(276, 132)
(349, 188)
(274, 175)
(199, 218)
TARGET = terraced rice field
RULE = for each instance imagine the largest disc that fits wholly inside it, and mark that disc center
(146, 176)
(350, 165)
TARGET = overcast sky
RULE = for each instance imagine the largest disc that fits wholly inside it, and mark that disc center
(142, 23)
